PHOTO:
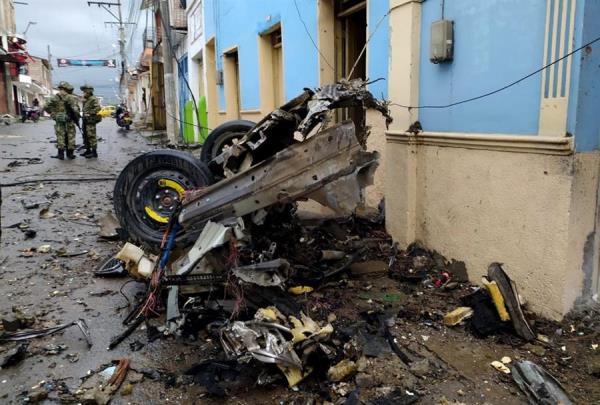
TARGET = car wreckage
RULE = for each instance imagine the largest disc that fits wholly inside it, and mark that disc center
(228, 206)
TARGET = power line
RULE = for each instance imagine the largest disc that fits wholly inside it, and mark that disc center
(503, 87)
(188, 123)
(367, 43)
(311, 38)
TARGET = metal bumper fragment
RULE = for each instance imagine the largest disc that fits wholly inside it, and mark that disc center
(332, 160)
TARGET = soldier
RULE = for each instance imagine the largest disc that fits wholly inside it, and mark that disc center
(64, 110)
(73, 114)
(90, 110)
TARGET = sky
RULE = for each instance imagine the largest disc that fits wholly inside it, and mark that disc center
(77, 31)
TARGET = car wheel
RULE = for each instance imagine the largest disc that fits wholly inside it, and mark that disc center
(148, 190)
(222, 136)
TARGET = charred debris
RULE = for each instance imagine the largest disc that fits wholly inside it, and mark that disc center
(238, 263)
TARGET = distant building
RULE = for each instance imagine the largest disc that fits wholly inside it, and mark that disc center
(13, 56)
(35, 81)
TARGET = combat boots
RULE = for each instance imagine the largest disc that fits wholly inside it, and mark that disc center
(71, 154)
(60, 155)
(86, 152)
(91, 153)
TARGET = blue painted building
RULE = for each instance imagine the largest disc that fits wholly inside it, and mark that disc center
(302, 25)
(512, 176)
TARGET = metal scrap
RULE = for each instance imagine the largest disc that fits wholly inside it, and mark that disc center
(265, 274)
(298, 171)
(30, 334)
(539, 385)
(263, 340)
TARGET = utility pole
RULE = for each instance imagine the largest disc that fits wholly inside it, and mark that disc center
(119, 21)
(169, 78)
(51, 68)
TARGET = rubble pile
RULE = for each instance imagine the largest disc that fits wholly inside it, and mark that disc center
(243, 296)
(274, 300)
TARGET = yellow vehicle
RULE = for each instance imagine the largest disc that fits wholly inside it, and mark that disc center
(107, 111)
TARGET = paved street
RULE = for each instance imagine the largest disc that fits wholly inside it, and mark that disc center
(62, 289)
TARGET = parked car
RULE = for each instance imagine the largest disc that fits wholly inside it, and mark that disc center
(107, 111)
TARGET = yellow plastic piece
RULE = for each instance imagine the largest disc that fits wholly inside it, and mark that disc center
(269, 313)
(155, 215)
(300, 289)
(342, 370)
(498, 299)
(172, 184)
(307, 328)
(293, 374)
(457, 315)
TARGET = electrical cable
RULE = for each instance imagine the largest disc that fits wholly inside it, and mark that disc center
(311, 38)
(503, 87)
(188, 123)
(51, 180)
(367, 43)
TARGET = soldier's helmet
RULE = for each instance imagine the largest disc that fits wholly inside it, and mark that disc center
(65, 86)
(86, 87)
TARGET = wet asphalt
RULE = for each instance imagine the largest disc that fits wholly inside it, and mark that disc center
(58, 289)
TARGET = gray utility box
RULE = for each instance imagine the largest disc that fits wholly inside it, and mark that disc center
(441, 46)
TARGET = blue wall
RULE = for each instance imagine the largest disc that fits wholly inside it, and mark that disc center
(240, 22)
(496, 42)
(584, 101)
(378, 50)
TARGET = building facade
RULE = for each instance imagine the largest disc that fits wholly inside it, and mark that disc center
(511, 177)
(9, 59)
(484, 161)
(34, 81)
(247, 58)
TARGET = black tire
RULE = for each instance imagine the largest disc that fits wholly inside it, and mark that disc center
(221, 135)
(138, 194)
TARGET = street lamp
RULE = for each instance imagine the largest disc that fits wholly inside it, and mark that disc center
(29, 24)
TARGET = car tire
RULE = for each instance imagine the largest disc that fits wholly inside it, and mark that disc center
(140, 195)
(219, 137)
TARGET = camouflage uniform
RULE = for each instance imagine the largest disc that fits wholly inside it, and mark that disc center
(71, 126)
(58, 107)
(91, 108)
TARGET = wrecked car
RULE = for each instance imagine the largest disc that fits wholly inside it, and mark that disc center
(229, 226)
(292, 153)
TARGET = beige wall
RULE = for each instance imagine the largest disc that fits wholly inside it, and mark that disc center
(376, 141)
(531, 211)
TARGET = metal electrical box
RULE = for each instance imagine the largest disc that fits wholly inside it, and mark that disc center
(441, 46)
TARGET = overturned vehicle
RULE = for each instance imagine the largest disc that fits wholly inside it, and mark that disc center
(227, 223)
(290, 154)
